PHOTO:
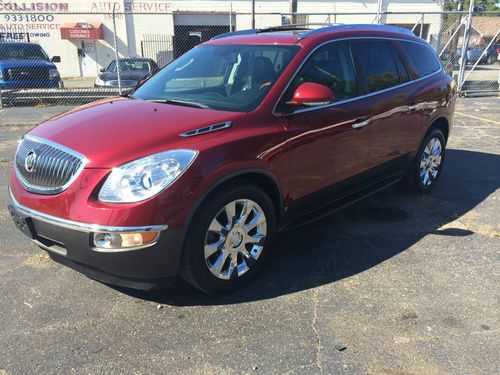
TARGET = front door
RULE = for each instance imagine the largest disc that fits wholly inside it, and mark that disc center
(328, 144)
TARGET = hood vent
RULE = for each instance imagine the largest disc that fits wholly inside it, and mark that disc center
(207, 129)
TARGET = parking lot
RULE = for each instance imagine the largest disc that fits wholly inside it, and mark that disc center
(396, 284)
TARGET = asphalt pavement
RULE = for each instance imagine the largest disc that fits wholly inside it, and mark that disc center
(396, 284)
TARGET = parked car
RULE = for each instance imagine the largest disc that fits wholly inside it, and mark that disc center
(132, 71)
(492, 53)
(27, 65)
(257, 131)
(475, 53)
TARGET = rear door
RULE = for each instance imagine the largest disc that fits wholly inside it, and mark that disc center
(395, 121)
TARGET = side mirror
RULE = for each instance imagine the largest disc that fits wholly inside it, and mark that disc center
(56, 59)
(102, 70)
(312, 94)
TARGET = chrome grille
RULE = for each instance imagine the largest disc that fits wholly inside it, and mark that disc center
(45, 167)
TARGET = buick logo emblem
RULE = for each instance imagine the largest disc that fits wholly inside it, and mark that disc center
(30, 161)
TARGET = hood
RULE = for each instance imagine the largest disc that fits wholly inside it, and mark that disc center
(8, 64)
(134, 76)
(118, 130)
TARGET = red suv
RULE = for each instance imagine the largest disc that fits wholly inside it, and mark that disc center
(251, 133)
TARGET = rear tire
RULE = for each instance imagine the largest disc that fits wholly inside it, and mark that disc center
(229, 238)
(426, 169)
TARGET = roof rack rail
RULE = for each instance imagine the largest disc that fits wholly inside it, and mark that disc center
(310, 32)
(368, 26)
(234, 33)
(270, 29)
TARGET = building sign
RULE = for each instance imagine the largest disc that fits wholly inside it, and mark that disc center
(81, 31)
(21, 6)
(130, 6)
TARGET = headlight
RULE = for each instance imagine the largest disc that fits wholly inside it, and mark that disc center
(53, 74)
(99, 82)
(144, 178)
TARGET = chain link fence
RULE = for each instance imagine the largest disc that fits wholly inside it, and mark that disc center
(71, 58)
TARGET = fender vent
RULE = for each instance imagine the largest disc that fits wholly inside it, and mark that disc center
(206, 129)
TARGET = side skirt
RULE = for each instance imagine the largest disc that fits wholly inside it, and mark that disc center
(345, 193)
(342, 201)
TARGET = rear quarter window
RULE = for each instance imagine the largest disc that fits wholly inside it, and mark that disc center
(424, 60)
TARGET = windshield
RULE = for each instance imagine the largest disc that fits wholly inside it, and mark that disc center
(22, 52)
(224, 77)
(131, 66)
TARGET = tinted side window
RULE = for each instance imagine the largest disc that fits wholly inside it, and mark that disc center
(332, 66)
(423, 58)
(378, 65)
(403, 73)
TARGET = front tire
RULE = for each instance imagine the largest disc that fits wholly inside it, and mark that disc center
(229, 238)
(426, 169)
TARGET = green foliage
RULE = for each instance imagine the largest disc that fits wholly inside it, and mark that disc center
(481, 5)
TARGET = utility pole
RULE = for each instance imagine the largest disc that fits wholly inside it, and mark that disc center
(253, 14)
(293, 11)
(117, 55)
(379, 10)
(465, 46)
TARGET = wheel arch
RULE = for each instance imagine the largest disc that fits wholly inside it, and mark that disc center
(260, 177)
(442, 123)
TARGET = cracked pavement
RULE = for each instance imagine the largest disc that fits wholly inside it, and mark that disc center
(396, 284)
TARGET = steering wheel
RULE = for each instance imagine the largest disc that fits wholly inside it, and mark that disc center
(210, 93)
(264, 85)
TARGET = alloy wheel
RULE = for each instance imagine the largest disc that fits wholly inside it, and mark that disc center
(430, 161)
(235, 239)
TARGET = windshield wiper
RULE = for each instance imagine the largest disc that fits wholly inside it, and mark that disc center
(186, 103)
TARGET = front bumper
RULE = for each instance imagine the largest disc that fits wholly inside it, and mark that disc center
(34, 84)
(71, 243)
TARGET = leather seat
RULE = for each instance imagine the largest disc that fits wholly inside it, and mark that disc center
(263, 71)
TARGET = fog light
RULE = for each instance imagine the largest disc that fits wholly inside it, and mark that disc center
(124, 241)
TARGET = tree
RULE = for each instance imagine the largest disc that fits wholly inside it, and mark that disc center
(480, 5)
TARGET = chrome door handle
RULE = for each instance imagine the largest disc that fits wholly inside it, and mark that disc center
(360, 124)
(413, 107)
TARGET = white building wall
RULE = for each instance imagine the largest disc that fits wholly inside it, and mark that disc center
(131, 28)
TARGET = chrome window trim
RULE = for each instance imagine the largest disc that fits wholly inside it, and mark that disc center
(79, 226)
(44, 190)
(275, 113)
